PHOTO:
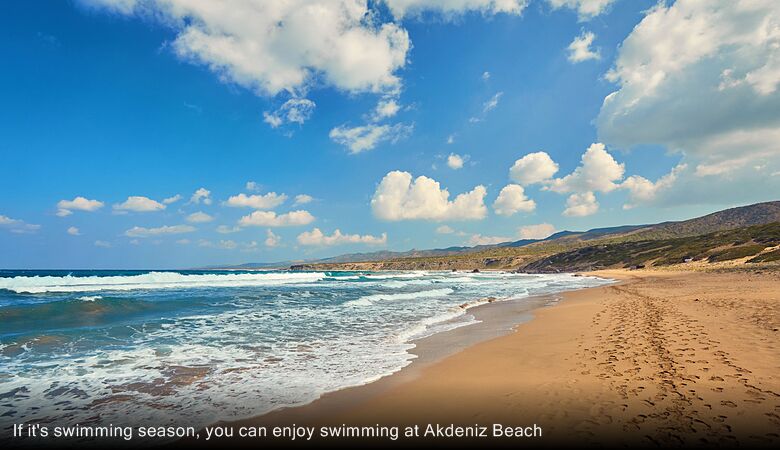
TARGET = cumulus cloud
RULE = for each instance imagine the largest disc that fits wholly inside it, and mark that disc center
(399, 197)
(18, 226)
(586, 9)
(643, 191)
(252, 186)
(478, 239)
(224, 244)
(598, 171)
(533, 168)
(316, 237)
(141, 232)
(454, 161)
(366, 137)
(202, 195)
(444, 229)
(137, 203)
(271, 219)
(580, 48)
(385, 108)
(295, 110)
(302, 199)
(224, 229)
(582, 204)
(270, 46)
(66, 207)
(173, 199)
(73, 231)
(271, 239)
(267, 201)
(538, 231)
(701, 78)
(199, 217)
(511, 200)
(404, 8)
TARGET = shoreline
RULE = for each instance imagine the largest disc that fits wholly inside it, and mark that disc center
(658, 358)
(494, 320)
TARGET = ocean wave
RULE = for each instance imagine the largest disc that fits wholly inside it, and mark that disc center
(152, 280)
(369, 300)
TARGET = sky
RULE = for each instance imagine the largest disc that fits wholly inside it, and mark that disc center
(176, 134)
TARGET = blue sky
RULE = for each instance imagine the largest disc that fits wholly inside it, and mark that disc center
(112, 107)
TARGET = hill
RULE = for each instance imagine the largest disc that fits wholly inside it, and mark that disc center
(524, 253)
(601, 247)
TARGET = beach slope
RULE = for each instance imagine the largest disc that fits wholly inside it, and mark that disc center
(663, 358)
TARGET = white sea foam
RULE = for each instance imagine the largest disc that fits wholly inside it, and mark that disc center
(369, 300)
(285, 342)
(152, 280)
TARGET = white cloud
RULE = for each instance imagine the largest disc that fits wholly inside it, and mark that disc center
(173, 199)
(73, 231)
(405, 8)
(580, 48)
(103, 244)
(511, 200)
(444, 229)
(451, 139)
(701, 78)
(643, 191)
(18, 226)
(139, 203)
(5, 220)
(183, 241)
(533, 168)
(271, 219)
(386, 107)
(252, 186)
(579, 205)
(315, 237)
(485, 75)
(141, 232)
(201, 195)
(294, 110)
(598, 171)
(66, 207)
(268, 201)
(539, 231)
(366, 137)
(487, 106)
(270, 46)
(491, 104)
(302, 199)
(478, 239)
(225, 244)
(199, 217)
(586, 9)
(398, 197)
(271, 239)
(454, 161)
(224, 229)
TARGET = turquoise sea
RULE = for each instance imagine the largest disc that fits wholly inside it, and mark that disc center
(194, 347)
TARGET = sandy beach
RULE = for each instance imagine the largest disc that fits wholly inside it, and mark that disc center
(662, 358)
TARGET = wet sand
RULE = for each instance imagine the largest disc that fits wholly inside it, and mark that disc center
(663, 358)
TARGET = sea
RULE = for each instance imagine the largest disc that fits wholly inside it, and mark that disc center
(195, 347)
